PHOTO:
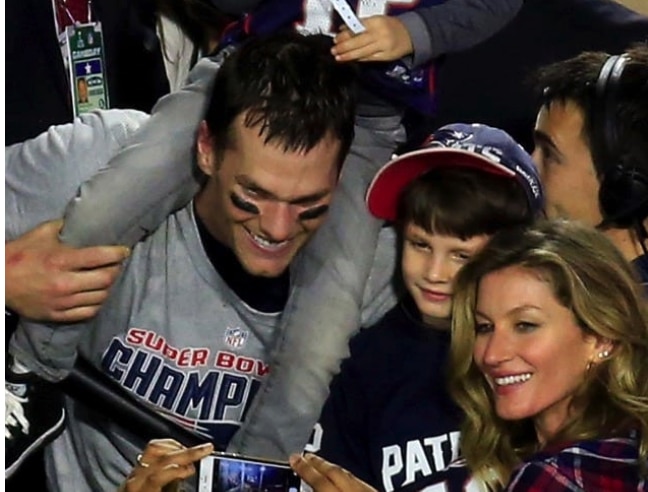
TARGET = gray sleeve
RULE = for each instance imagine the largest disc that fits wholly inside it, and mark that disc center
(380, 294)
(151, 178)
(456, 25)
(42, 174)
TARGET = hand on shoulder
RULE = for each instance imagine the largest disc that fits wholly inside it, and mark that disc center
(46, 280)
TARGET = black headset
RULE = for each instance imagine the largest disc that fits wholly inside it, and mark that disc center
(623, 194)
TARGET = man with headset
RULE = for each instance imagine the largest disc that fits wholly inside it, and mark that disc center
(591, 139)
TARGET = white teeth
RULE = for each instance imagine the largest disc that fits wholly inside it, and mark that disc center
(266, 243)
(519, 378)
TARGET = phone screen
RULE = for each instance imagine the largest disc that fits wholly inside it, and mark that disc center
(228, 473)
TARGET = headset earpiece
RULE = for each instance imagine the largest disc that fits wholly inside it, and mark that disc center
(623, 194)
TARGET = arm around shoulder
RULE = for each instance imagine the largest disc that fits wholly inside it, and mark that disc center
(151, 178)
(44, 173)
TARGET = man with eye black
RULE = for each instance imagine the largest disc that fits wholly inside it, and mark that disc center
(190, 325)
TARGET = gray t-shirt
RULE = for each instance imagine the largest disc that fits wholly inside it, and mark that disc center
(177, 337)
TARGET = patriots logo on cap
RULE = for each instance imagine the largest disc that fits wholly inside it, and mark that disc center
(453, 138)
(458, 137)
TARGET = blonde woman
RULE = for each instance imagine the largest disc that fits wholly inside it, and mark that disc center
(549, 363)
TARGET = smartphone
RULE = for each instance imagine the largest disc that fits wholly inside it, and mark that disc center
(225, 472)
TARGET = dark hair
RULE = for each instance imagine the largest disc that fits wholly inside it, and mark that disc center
(291, 86)
(200, 20)
(575, 80)
(463, 203)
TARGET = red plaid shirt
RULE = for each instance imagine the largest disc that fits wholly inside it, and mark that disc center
(606, 465)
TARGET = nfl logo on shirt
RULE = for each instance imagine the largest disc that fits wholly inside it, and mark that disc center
(235, 337)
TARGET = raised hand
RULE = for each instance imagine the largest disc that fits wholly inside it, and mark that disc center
(385, 39)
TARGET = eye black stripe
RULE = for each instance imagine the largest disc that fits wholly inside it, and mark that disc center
(244, 205)
(313, 213)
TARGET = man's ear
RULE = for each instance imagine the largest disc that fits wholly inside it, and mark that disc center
(205, 151)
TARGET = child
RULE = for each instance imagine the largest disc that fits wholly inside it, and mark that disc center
(389, 418)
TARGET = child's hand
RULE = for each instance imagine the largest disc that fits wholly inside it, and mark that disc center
(385, 39)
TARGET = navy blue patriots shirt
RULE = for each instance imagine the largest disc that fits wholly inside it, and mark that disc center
(389, 418)
(398, 82)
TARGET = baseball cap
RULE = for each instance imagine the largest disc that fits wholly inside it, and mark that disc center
(472, 146)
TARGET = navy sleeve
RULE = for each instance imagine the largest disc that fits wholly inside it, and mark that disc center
(456, 25)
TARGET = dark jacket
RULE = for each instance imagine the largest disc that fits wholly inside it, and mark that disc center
(37, 93)
(486, 84)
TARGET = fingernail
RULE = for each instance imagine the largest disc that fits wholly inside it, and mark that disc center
(207, 445)
(294, 459)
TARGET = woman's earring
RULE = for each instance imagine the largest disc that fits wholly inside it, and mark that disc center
(603, 354)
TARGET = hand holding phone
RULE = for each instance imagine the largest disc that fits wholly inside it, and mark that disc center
(162, 464)
(225, 472)
(322, 476)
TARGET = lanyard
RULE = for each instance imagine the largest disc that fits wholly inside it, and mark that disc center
(61, 5)
(348, 16)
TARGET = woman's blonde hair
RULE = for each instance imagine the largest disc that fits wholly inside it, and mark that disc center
(589, 276)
